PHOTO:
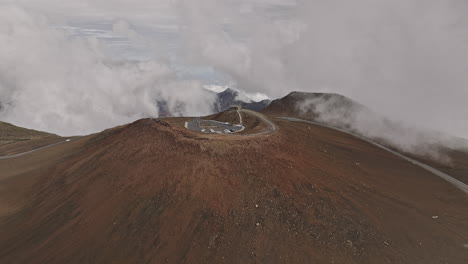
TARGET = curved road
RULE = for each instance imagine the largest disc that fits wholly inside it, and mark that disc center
(34, 150)
(240, 117)
(460, 185)
(272, 126)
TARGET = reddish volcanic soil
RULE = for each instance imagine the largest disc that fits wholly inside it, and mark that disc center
(454, 162)
(154, 192)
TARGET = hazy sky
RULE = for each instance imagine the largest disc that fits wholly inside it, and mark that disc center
(81, 66)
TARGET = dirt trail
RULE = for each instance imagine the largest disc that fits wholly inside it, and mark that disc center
(272, 127)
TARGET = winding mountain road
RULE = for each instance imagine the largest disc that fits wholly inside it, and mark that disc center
(460, 185)
(240, 117)
(272, 126)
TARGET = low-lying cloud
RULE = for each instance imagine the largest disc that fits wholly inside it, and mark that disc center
(67, 85)
(406, 58)
(341, 112)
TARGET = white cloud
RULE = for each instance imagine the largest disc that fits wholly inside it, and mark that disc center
(407, 59)
(345, 114)
(51, 82)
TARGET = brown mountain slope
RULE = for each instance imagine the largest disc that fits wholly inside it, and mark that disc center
(11, 133)
(14, 139)
(230, 116)
(153, 192)
(339, 111)
(290, 105)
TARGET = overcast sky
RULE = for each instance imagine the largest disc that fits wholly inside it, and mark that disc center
(74, 67)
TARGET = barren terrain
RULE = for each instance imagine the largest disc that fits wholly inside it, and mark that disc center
(15, 139)
(155, 192)
(454, 161)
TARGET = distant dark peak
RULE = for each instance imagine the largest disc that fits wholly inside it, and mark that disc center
(297, 94)
(229, 91)
(228, 98)
(223, 101)
(228, 95)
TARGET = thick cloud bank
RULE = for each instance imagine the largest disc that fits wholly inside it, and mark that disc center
(343, 113)
(407, 59)
(66, 85)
